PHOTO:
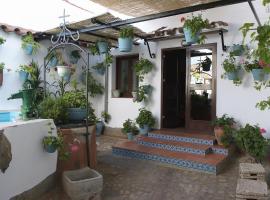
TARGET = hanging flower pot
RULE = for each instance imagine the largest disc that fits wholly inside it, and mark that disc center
(28, 49)
(125, 44)
(237, 50)
(53, 62)
(63, 71)
(49, 144)
(258, 74)
(23, 76)
(191, 39)
(103, 46)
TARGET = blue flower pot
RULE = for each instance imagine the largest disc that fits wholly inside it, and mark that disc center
(53, 62)
(144, 130)
(99, 128)
(28, 49)
(130, 136)
(23, 75)
(190, 39)
(125, 44)
(258, 74)
(103, 47)
(77, 114)
(73, 60)
(50, 148)
(237, 49)
(232, 75)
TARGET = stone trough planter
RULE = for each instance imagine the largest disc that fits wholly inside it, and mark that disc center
(82, 184)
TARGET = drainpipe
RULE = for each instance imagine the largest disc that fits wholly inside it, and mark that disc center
(106, 87)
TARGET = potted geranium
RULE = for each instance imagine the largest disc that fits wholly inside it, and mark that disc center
(2, 66)
(250, 140)
(145, 120)
(75, 56)
(220, 125)
(129, 128)
(103, 46)
(76, 104)
(125, 39)
(193, 27)
(29, 45)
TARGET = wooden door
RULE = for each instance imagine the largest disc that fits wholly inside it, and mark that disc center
(201, 87)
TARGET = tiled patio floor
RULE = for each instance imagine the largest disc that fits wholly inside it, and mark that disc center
(128, 179)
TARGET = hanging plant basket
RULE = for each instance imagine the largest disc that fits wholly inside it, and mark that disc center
(53, 62)
(63, 71)
(50, 148)
(258, 74)
(233, 75)
(23, 76)
(1, 77)
(191, 39)
(103, 47)
(125, 44)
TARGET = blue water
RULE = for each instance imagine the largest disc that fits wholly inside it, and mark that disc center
(9, 116)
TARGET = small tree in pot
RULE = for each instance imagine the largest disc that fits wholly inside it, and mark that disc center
(221, 125)
(145, 120)
(129, 128)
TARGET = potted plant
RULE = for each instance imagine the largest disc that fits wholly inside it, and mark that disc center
(99, 126)
(2, 40)
(143, 67)
(206, 64)
(2, 66)
(75, 56)
(231, 69)
(237, 50)
(100, 68)
(24, 72)
(256, 70)
(193, 27)
(29, 45)
(125, 39)
(116, 93)
(63, 69)
(129, 128)
(105, 116)
(52, 143)
(250, 140)
(142, 93)
(145, 120)
(221, 125)
(103, 46)
(52, 58)
(76, 105)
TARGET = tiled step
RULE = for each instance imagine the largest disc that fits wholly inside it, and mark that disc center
(183, 137)
(211, 163)
(186, 147)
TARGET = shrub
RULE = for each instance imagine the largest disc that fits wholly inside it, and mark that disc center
(129, 127)
(145, 118)
(75, 99)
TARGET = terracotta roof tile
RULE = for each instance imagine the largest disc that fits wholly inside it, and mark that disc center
(18, 30)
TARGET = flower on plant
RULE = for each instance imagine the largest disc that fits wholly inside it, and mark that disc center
(262, 130)
(182, 19)
(263, 64)
(75, 145)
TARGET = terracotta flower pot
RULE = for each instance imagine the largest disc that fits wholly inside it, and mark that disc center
(219, 132)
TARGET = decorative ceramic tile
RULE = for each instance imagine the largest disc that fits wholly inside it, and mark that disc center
(220, 151)
(177, 162)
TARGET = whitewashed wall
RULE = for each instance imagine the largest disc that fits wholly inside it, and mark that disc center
(238, 102)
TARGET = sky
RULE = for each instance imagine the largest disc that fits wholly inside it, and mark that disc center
(41, 15)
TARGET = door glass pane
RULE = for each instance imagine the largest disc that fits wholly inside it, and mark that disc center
(124, 76)
(201, 84)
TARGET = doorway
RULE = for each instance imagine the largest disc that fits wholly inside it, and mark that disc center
(189, 87)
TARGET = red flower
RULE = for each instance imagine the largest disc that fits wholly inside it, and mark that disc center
(262, 130)
(182, 19)
(74, 148)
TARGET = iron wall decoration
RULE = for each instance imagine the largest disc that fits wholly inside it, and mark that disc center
(66, 37)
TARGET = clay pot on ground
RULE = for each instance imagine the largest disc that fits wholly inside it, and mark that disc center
(219, 132)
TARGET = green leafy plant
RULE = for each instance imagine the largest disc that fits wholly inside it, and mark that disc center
(263, 105)
(143, 67)
(2, 66)
(129, 127)
(223, 121)
(54, 108)
(196, 24)
(94, 49)
(108, 59)
(127, 32)
(229, 66)
(75, 54)
(95, 88)
(2, 40)
(29, 40)
(100, 67)
(143, 93)
(250, 140)
(75, 99)
(106, 116)
(145, 118)
(265, 2)
(25, 68)
(56, 141)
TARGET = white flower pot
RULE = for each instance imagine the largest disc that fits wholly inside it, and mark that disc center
(63, 71)
(116, 93)
(134, 95)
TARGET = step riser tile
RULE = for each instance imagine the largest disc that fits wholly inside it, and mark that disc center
(181, 139)
(220, 151)
(174, 148)
(176, 162)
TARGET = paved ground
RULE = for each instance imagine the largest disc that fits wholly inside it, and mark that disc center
(130, 179)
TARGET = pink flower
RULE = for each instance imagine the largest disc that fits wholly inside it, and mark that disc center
(262, 63)
(262, 130)
(74, 148)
